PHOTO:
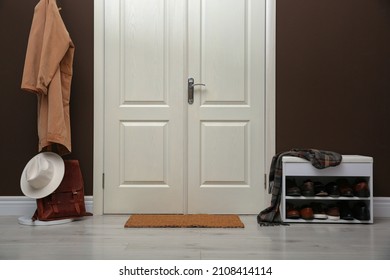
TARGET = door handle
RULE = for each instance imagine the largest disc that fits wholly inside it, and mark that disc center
(191, 85)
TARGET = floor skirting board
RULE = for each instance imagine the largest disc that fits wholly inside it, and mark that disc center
(25, 206)
(20, 205)
(381, 207)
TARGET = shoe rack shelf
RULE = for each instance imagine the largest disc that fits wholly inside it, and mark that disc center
(351, 168)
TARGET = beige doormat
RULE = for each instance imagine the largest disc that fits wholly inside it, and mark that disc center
(184, 221)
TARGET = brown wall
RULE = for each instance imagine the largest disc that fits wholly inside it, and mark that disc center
(333, 79)
(18, 109)
(332, 88)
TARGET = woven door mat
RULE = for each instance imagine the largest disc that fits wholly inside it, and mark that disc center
(184, 221)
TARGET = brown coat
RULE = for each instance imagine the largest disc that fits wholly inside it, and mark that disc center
(48, 73)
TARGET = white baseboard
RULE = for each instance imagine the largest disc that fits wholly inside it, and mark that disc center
(25, 206)
(381, 207)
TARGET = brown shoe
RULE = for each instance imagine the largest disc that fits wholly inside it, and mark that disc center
(333, 212)
(344, 188)
(306, 213)
(360, 189)
(292, 212)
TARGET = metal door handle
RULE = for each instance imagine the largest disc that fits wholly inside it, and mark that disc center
(191, 84)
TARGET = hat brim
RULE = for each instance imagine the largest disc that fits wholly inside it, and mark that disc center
(58, 175)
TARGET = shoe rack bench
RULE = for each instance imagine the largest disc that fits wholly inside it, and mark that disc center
(351, 168)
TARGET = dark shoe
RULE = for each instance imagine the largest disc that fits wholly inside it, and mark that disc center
(361, 211)
(344, 188)
(319, 189)
(292, 189)
(307, 188)
(306, 213)
(361, 189)
(345, 212)
(319, 211)
(332, 189)
(333, 212)
(292, 212)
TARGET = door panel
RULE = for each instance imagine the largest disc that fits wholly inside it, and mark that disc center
(144, 152)
(220, 163)
(144, 70)
(226, 120)
(145, 51)
(223, 51)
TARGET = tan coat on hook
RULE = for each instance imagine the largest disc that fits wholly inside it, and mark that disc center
(48, 73)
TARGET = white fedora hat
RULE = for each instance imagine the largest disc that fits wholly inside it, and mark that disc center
(42, 175)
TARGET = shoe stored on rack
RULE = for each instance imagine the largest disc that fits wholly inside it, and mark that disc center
(319, 189)
(292, 212)
(332, 189)
(361, 211)
(319, 211)
(345, 211)
(291, 188)
(306, 213)
(307, 188)
(333, 212)
(345, 188)
(361, 189)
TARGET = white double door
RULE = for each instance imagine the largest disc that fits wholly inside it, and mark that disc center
(162, 154)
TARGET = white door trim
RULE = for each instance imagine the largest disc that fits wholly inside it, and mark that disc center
(99, 88)
(98, 107)
(270, 88)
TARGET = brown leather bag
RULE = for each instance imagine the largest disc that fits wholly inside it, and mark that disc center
(67, 201)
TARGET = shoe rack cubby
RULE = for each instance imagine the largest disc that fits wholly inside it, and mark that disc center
(351, 168)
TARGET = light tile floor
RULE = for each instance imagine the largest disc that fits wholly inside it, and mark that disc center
(105, 238)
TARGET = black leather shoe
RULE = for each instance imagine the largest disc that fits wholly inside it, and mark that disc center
(307, 188)
(291, 188)
(332, 189)
(345, 211)
(361, 211)
(319, 189)
(319, 210)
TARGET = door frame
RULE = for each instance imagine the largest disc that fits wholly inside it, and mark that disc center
(99, 88)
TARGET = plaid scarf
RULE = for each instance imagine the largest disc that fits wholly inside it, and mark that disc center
(319, 159)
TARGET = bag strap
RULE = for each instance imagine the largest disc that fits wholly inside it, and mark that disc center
(76, 202)
(54, 203)
(35, 216)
